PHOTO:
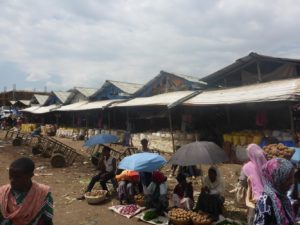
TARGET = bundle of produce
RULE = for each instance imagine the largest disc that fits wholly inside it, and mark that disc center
(278, 151)
(150, 215)
(179, 216)
(201, 219)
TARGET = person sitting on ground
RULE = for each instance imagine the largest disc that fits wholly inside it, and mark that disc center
(24, 202)
(183, 193)
(37, 131)
(211, 198)
(107, 167)
(156, 193)
(293, 194)
(127, 181)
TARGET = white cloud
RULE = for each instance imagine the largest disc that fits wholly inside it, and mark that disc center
(66, 43)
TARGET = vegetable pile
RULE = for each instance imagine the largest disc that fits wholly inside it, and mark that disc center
(129, 210)
(150, 215)
(278, 151)
(201, 218)
(179, 214)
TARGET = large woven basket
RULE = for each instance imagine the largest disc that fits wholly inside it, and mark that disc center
(198, 223)
(95, 199)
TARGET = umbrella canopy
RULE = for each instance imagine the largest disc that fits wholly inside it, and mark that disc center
(199, 152)
(296, 156)
(142, 162)
(101, 139)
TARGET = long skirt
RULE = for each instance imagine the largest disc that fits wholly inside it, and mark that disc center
(211, 204)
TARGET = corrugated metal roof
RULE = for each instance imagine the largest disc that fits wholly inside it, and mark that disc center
(283, 90)
(30, 109)
(41, 98)
(186, 77)
(87, 92)
(251, 58)
(98, 104)
(71, 107)
(165, 99)
(24, 102)
(44, 109)
(62, 95)
(128, 88)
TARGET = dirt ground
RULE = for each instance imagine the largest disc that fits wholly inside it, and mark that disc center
(67, 184)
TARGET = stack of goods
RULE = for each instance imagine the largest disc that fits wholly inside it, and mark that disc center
(28, 127)
(96, 196)
(243, 137)
(65, 132)
(278, 151)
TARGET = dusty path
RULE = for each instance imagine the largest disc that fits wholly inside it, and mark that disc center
(66, 185)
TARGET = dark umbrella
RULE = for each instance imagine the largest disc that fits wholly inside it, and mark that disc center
(199, 152)
(101, 139)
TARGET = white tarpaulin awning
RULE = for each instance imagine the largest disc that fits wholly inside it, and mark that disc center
(281, 90)
(71, 107)
(44, 109)
(98, 104)
(30, 109)
(165, 99)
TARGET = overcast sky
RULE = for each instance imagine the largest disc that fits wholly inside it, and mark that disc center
(65, 43)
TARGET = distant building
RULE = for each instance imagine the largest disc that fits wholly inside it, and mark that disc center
(115, 90)
(8, 96)
(169, 82)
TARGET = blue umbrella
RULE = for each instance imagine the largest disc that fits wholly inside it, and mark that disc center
(101, 139)
(142, 162)
(296, 156)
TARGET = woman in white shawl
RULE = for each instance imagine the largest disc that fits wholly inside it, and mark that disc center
(211, 199)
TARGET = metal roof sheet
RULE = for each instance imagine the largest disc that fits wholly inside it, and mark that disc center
(165, 99)
(41, 98)
(98, 104)
(71, 107)
(283, 90)
(128, 88)
(25, 102)
(62, 95)
(30, 109)
(44, 109)
(87, 92)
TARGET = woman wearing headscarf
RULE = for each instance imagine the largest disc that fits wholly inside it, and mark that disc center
(273, 207)
(251, 176)
(211, 199)
(156, 193)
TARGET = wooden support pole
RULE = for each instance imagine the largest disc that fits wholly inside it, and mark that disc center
(292, 125)
(258, 72)
(109, 128)
(171, 129)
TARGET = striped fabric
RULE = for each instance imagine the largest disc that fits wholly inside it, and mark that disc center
(46, 212)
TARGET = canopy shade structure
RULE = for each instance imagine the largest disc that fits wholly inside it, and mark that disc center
(30, 109)
(166, 99)
(44, 109)
(281, 90)
(98, 104)
(71, 107)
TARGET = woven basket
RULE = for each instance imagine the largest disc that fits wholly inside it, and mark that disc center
(179, 222)
(140, 202)
(198, 223)
(95, 199)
